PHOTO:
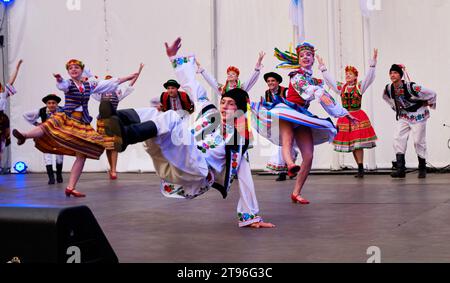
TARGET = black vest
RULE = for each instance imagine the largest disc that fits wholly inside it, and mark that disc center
(281, 92)
(43, 113)
(404, 102)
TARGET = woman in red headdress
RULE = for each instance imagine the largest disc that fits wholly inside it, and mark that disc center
(353, 137)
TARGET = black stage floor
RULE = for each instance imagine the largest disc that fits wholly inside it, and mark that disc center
(409, 220)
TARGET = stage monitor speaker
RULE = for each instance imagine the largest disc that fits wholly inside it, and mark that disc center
(52, 235)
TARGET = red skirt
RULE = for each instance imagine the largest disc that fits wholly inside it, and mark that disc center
(360, 135)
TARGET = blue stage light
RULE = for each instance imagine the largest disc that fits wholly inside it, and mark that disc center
(20, 167)
(6, 1)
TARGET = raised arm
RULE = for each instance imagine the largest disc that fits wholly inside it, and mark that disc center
(212, 82)
(370, 76)
(138, 74)
(111, 85)
(13, 78)
(248, 85)
(129, 89)
(185, 72)
(61, 84)
(328, 78)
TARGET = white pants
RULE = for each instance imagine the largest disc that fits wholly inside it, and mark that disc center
(418, 131)
(48, 159)
(184, 164)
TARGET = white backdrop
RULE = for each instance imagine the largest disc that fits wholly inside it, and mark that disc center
(113, 37)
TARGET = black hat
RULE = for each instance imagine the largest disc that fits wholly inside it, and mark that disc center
(239, 96)
(171, 83)
(51, 97)
(397, 68)
(273, 75)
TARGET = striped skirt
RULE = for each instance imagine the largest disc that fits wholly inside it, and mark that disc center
(266, 121)
(65, 135)
(360, 135)
(108, 142)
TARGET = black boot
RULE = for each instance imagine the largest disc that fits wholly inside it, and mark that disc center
(59, 177)
(360, 174)
(281, 177)
(132, 134)
(422, 168)
(401, 169)
(51, 174)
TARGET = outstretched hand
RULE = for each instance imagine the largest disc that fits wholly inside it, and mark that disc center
(259, 64)
(136, 75)
(19, 64)
(375, 55)
(172, 50)
(58, 77)
(141, 66)
(321, 61)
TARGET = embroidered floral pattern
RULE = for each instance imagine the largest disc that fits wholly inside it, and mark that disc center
(246, 216)
(199, 192)
(171, 190)
(179, 61)
(351, 97)
(234, 163)
(302, 81)
(416, 117)
(176, 191)
(276, 168)
(201, 125)
(206, 146)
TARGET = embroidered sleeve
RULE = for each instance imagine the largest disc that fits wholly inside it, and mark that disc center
(368, 80)
(185, 73)
(331, 82)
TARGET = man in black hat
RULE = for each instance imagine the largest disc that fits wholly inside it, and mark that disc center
(173, 99)
(275, 92)
(273, 81)
(51, 107)
(411, 102)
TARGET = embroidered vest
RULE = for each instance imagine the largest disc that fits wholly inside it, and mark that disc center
(351, 97)
(186, 102)
(403, 100)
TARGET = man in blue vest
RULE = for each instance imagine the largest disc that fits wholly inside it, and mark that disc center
(411, 102)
